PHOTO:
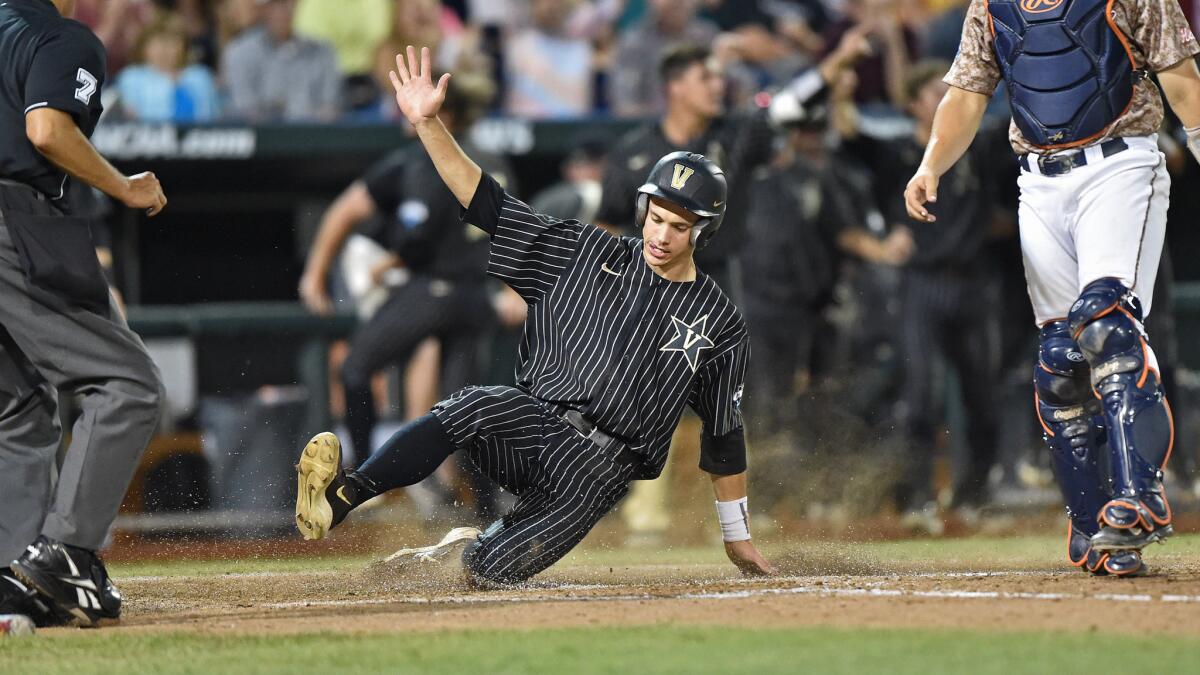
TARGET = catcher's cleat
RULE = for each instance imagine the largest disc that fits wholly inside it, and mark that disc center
(440, 563)
(17, 598)
(324, 496)
(1124, 563)
(1135, 538)
(1128, 523)
(71, 581)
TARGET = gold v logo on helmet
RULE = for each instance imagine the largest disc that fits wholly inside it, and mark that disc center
(681, 176)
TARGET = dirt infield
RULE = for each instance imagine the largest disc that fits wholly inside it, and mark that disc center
(814, 591)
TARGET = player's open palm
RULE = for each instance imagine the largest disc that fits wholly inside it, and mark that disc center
(747, 558)
(419, 99)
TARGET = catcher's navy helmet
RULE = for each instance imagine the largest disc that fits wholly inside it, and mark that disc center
(692, 181)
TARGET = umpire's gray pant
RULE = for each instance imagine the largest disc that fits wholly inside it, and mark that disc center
(47, 343)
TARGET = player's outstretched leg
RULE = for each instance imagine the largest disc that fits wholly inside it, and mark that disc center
(1074, 431)
(1106, 323)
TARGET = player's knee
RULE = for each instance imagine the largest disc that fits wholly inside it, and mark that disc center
(489, 567)
(1106, 323)
(1062, 374)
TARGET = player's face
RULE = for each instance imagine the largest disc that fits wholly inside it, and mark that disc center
(667, 234)
(701, 88)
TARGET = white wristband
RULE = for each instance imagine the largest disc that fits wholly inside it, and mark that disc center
(734, 519)
(1193, 141)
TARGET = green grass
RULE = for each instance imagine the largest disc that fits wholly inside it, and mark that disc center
(650, 649)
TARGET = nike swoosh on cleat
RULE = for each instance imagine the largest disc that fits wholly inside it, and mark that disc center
(342, 496)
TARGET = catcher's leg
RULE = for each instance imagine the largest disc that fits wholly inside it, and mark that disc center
(1106, 323)
(1074, 431)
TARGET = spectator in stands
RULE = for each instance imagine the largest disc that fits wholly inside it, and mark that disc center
(117, 23)
(235, 17)
(577, 195)
(881, 75)
(636, 88)
(423, 23)
(162, 87)
(548, 73)
(354, 28)
(271, 74)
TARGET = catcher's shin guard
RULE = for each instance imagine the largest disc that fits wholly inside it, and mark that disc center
(1106, 323)
(1074, 431)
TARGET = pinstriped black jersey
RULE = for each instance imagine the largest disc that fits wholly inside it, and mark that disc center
(609, 337)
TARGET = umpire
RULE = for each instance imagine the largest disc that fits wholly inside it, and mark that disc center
(59, 329)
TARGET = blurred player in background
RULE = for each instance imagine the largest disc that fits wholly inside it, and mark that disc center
(1094, 191)
(948, 290)
(446, 296)
(59, 326)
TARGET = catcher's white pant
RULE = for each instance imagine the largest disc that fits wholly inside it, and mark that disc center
(1105, 219)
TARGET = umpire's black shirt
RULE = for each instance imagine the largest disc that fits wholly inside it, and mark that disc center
(609, 337)
(46, 61)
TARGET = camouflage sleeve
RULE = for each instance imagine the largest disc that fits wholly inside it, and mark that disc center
(975, 68)
(1162, 32)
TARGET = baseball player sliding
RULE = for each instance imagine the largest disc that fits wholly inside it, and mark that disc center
(621, 335)
(1092, 214)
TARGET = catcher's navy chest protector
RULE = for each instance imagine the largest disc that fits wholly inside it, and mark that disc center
(1068, 68)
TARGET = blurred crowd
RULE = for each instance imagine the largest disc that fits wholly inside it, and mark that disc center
(327, 60)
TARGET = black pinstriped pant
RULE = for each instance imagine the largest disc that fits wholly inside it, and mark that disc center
(564, 483)
(951, 316)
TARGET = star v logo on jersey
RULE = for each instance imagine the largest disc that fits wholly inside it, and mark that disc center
(689, 339)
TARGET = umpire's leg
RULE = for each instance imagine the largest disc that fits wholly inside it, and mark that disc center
(29, 437)
(96, 358)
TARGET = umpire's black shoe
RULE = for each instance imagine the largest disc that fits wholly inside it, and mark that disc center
(17, 598)
(70, 580)
(325, 493)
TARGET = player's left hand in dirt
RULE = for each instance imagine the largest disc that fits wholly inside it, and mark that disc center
(747, 558)
(921, 188)
(416, 94)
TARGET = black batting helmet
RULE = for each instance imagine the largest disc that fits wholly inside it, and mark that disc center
(692, 181)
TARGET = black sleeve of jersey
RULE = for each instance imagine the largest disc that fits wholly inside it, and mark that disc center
(484, 210)
(66, 74)
(717, 399)
(383, 182)
(723, 455)
(529, 251)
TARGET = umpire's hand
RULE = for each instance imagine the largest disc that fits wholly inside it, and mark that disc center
(747, 558)
(142, 191)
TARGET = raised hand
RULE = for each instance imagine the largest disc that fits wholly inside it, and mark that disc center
(419, 99)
